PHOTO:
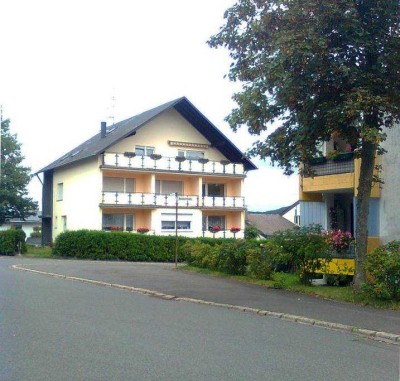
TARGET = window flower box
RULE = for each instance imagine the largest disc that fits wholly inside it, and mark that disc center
(343, 156)
(215, 229)
(143, 230)
(129, 154)
(155, 156)
(235, 229)
(318, 160)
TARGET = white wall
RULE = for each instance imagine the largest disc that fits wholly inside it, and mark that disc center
(390, 195)
(82, 195)
(170, 125)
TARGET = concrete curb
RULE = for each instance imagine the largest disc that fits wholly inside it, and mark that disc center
(370, 334)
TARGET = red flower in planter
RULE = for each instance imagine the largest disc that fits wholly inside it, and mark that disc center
(116, 228)
(143, 230)
(235, 229)
(215, 229)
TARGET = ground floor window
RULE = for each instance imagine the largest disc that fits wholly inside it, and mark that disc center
(170, 225)
(209, 222)
(168, 221)
(119, 222)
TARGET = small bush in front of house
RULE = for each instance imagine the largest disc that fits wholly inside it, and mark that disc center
(383, 268)
(12, 241)
(304, 250)
(259, 262)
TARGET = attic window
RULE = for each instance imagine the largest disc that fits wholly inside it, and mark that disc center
(64, 157)
(187, 144)
(111, 130)
(75, 152)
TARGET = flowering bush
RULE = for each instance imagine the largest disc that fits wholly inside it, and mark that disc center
(338, 240)
(235, 229)
(143, 230)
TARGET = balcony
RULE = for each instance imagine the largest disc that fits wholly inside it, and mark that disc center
(168, 201)
(330, 175)
(223, 234)
(344, 163)
(129, 160)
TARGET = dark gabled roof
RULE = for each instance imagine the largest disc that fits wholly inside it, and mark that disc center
(115, 133)
(268, 224)
(280, 211)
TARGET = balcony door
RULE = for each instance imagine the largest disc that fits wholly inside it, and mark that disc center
(214, 190)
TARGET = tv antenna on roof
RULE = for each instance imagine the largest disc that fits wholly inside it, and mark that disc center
(112, 108)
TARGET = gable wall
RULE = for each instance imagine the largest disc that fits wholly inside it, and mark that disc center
(170, 125)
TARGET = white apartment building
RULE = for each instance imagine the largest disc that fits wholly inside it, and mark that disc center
(145, 173)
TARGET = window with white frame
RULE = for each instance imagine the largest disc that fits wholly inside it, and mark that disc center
(118, 184)
(60, 191)
(168, 187)
(64, 223)
(120, 222)
(144, 150)
(210, 221)
(213, 189)
(191, 154)
(168, 221)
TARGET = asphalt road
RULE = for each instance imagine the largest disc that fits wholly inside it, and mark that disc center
(164, 278)
(53, 329)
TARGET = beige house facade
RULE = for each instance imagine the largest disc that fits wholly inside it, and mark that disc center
(166, 169)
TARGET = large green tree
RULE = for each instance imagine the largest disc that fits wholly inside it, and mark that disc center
(14, 179)
(316, 67)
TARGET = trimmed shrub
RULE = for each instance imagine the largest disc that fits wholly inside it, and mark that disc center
(383, 266)
(91, 244)
(12, 241)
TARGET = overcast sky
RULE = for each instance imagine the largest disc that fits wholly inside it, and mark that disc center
(63, 61)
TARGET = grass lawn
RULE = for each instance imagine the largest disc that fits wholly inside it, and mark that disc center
(291, 282)
(38, 252)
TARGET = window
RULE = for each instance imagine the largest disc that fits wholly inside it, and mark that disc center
(168, 187)
(190, 154)
(216, 190)
(170, 225)
(64, 223)
(118, 184)
(60, 191)
(144, 150)
(118, 222)
(210, 221)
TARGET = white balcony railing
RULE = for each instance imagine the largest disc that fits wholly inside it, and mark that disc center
(160, 200)
(164, 163)
(223, 234)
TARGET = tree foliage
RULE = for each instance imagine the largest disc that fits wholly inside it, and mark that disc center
(317, 67)
(14, 179)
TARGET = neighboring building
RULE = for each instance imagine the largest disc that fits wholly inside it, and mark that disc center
(291, 212)
(26, 224)
(268, 224)
(126, 178)
(329, 198)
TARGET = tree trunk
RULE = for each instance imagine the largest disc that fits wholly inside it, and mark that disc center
(368, 152)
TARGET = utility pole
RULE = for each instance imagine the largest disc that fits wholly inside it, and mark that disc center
(1, 125)
(176, 230)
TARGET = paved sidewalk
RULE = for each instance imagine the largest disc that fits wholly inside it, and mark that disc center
(166, 279)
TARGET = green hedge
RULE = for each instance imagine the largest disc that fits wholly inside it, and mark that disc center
(11, 241)
(93, 244)
(383, 267)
